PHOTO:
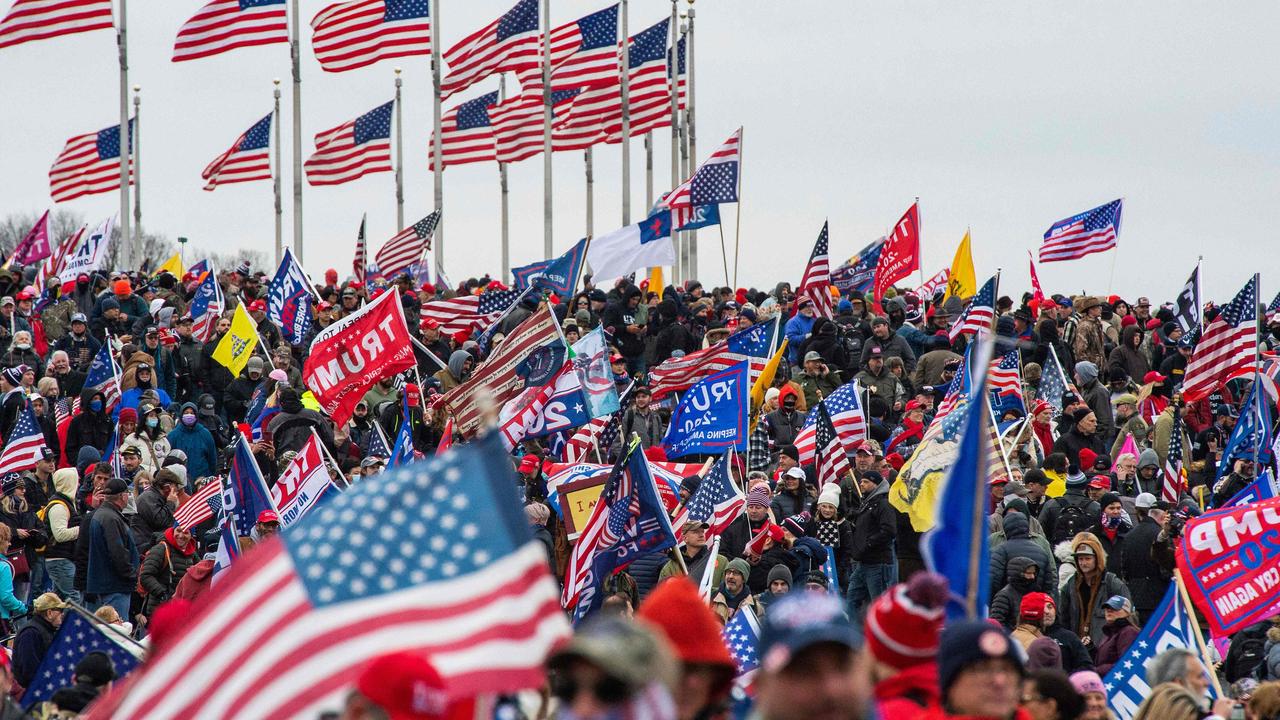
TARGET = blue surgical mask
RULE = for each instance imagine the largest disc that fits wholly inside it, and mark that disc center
(188, 420)
(95, 405)
(152, 422)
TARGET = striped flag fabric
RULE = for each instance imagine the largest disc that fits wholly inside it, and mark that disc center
(466, 133)
(717, 501)
(755, 344)
(104, 376)
(77, 636)
(1227, 346)
(206, 307)
(584, 52)
(353, 149)
(350, 35)
(715, 181)
(89, 164)
(1053, 382)
(361, 261)
(817, 278)
(518, 121)
(844, 408)
(468, 312)
(831, 460)
(495, 380)
(25, 445)
(1005, 376)
(248, 158)
(1092, 231)
(225, 25)
(1175, 483)
(742, 636)
(978, 317)
(522, 411)
(504, 45)
(29, 20)
(403, 250)
(203, 505)
(587, 439)
(291, 623)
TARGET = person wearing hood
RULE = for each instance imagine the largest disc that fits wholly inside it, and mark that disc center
(197, 442)
(626, 321)
(1144, 479)
(1092, 585)
(1110, 530)
(239, 393)
(458, 370)
(62, 514)
(1095, 395)
(155, 510)
(875, 526)
(1018, 543)
(1128, 355)
(1021, 576)
(165, 564)
(144, 375)
(92, 427)
(197, 579)
(21, 353)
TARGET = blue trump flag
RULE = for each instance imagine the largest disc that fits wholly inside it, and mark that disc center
(402, 453)
(711, 416)
(1253, 430)
(78, 636)
(856, 274)
(289, 300)
(244, 491)
(558, 275)
(703, 216)
(1262, 488)
(1168, 627)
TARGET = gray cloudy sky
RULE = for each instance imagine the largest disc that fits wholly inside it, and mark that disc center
(1001, 116)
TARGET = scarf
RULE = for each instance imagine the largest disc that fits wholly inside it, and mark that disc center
(828, 533)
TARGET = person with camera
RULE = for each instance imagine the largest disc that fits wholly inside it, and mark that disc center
(1147, 581)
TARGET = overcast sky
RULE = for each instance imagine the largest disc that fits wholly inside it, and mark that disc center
(1002, 117)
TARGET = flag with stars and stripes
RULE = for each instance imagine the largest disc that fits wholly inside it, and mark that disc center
(717, 501)
(104, 376)
(1175, 481)
(588, 438)
(517, 124)
(1252, 433)
(225, 25)
(78, 636)
(504, 45)
(353, 149)
(468, 312)
(742, 636)
(715, 181)
(817, 278)
(361, 261)
(830, 458)
(1227, 346)
(754, 344)
(1168, 627)
(844, 408)
(1092, 231)
(244, 490)
(978, 317)
(89, 164)
(1006, 382)
(350, 35)
(206, 308)
(1274, 308)
(461, 580)
(248, 158)
(466, 133)
(29, 20)
(583, 53)
(203, 505)
(378, 445)
(1053, 382)
(403, 251)
(25, 445)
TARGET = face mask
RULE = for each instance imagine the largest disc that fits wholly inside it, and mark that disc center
(22, 346)
(152, 422)
(95, 405)
(1113, 522)
(188, 420)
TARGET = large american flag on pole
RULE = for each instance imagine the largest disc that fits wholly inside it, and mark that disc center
(468, 312)
(248, 158)
(1227, 346)
(224, 25)
(717, 501)
(25, 445)
(754, 344)
(294, 622)
(714, 182)
(403, 250)
(981, 313)
(504, 45)
(518, 124)
(206, 307)
(353, 149)
(350, 35)
(831, 460)
(89, 164)
(1092, 231)
(817, 278)
(583, 53)
(29, 20)
(844, 408)
(466, 133)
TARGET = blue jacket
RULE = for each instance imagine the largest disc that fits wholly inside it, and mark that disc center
(113, 555)
(9, 605)
(130, 399)
(197, 442)
(797, 331)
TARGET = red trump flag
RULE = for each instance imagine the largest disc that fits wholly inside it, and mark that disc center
(348, 357)
(1227, 559)
(901, 253)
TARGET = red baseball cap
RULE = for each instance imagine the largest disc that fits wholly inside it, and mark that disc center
(1153, 376)
(258, 306)
(1100, 482)
(430, 323)
(528, 463)
(267, 516)
(407, 686)
(412, 392)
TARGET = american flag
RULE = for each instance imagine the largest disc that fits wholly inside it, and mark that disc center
(958, 390)
(1053, 383)
(844, 408)
(204, 504)
(104, 376)
(742, 636)
(89, 164)
(1273, 308)
(350, 35)
(206, 308)
(299, 617)
(591, 437)
(378, 445)
(1175, 483)
(469, 312)
(584, 52)
(817, 278)
(25, 445)
(981, 313)
(361, 260)
(224, 25)
(466, 133)
(715, 181)
(39, 19)
(248, 158)
(78, 636)
(1227, 347)
(518, 124)
(831, 459)
(754, 344)
(504, 45)
(353, 149)
(62, 411)
(1005, 375)
(717, 501)
(496, 380)
(402, 251)
(1092, 231)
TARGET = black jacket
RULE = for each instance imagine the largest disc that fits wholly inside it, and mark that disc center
(875, 526)
(154, 516)
(1145, 579)
(89, 427)
(29, 648)
(1018, 543)
(1075, 657)
(1007, 602)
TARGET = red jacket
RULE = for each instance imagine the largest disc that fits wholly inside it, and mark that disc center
(196, 581)
(907, 694)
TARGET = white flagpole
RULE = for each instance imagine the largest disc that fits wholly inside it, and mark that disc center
(709, 572)
(502, 186)
(546, 129)
(648, 171)
(137, 168)
(675, 126)
(624, 68)
(125, 136)
(437, 161)
(399, 155)
(279, 172)
(587, 159)
(295, 57)
(691, 270)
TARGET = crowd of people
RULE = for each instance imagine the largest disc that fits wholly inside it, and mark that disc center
(1082, 546)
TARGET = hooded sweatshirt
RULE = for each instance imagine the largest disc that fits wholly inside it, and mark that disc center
(451, 377)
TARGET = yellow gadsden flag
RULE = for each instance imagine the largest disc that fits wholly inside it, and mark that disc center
(962, 283)
(236, 347)
(173, 265)
(764, 382)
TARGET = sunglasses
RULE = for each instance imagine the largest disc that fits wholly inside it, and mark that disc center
(610, 691)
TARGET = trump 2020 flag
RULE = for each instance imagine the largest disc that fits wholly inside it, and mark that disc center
(556, 276)
(289, 300)
(1168, 627)
(1226, 562)
(630, 248)
(712, 416)
(244, 491)
(591, 365)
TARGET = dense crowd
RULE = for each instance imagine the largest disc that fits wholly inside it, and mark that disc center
(1082, 546)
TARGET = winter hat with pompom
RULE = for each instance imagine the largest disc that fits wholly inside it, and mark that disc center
(903, 625)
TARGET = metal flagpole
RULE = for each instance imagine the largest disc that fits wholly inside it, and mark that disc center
(126, 136)
(624, 67)
(546, 128)
(1257, 397)
(682, 239)
(692, 235)
(648, 172)
(295, 57)
(675, 122)
(137, 168)
(437, 161)
(587, 159)
(737, 225)
(275, 181)
(399, 156)
(502, 185)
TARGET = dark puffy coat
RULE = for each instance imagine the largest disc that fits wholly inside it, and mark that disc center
(1073, 441)
(88, 427)
(160, 576)
(1075, 656)
(154, 517)
(1118, 635)
(113, 556)
(1018, 543)
(1007, 603)
(644, 570)
(29, 648)
(875, 526)
(197, 442)
(1139, 571)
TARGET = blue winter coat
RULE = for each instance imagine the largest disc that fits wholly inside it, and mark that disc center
(197, 442)
(797, 330)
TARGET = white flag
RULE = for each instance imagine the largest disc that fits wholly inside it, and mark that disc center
(634, 247)
(88, 256)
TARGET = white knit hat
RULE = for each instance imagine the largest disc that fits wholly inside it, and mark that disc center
(830, 494)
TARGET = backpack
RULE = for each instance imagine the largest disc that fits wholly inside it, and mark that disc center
(43, 516)
(1072, 520)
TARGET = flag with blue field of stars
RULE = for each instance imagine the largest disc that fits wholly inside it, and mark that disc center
(25, 445)
(353, 149)
(817, 279)
(717, 501)
(1168, 627)
(89, 164)
(742, 636)
(78, 636)
(715, 181)
(248, 158)
(349, 35)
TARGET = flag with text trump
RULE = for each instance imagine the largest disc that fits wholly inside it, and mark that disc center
(298, 618)
(1228, 565)
(1168, 627)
